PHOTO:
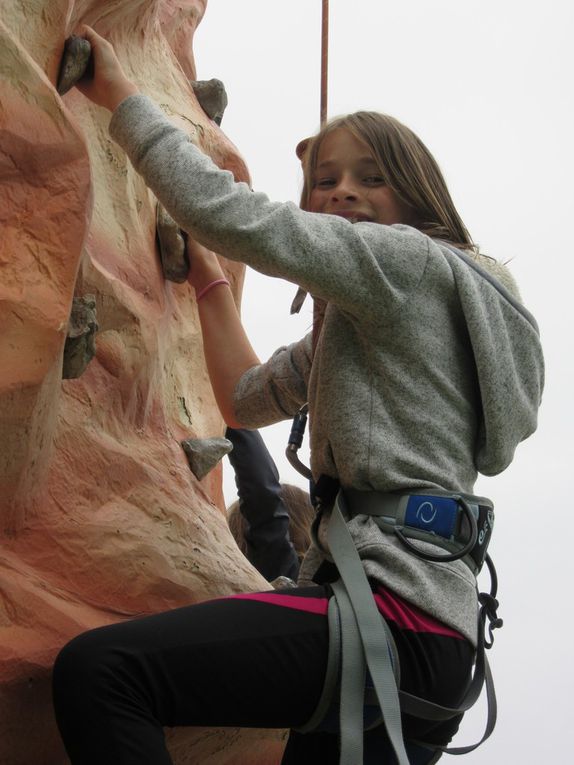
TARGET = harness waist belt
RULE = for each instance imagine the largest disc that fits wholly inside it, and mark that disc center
(461, 524)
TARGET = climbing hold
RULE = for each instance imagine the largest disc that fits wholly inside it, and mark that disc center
(172, 252)
(212, 97)
(80, 347)
(203, 454)
(76, 63)
(282, 583)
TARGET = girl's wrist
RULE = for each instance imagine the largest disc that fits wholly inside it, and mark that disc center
(221, 282)
(204, 268)
(120, 92)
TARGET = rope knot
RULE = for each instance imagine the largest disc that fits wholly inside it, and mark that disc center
(488, 611)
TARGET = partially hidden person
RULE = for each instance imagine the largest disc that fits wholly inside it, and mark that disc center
(270, 521)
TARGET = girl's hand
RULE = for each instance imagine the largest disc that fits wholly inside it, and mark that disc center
(204, 266)
(109, 85)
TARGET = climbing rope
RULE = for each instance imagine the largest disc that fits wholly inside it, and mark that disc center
(324, 60)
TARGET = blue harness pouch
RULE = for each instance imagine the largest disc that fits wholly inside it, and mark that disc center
(436, 514)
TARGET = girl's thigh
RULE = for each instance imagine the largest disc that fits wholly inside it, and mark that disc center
(227, 662)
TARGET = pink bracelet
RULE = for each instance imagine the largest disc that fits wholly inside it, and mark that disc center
(206, 289)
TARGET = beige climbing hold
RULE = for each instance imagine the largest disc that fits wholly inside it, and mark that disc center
(283, 583)
(212, 97)
(203, 454)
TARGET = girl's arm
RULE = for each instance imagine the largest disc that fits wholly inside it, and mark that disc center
(367, 270)
(228, 352)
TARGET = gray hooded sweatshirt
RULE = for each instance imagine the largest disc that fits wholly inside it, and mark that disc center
(427, 368)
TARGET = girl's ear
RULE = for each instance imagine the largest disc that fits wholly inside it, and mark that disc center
(302, 148)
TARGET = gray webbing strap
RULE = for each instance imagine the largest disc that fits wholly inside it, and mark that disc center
(372, 635)
(332, 673)
(353, 675)
(491, 719)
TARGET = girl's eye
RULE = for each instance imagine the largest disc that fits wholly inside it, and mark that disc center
(324, 183)
(374, 180)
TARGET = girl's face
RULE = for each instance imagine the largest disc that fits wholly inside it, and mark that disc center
(347, 182)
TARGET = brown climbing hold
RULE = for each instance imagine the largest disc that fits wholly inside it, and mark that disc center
(76, 63)
(203, 454)
(212, 97)
(172, 251)
(80, 347)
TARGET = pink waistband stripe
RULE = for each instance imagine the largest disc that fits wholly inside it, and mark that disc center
(393, 608)
(312, 605)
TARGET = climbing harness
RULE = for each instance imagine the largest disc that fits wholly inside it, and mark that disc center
(460, 524)
(359, 639)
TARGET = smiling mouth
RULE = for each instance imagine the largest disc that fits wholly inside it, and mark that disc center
(353, 217)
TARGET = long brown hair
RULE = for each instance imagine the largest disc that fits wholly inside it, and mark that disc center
(407, 167)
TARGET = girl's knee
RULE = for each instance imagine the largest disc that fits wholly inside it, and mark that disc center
(84, 664)
(94, 683)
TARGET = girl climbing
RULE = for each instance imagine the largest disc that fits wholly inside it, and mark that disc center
(422, 369)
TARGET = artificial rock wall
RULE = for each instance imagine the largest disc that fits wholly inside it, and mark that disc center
(101, 518)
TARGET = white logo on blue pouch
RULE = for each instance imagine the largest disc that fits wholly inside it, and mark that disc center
(426, 507)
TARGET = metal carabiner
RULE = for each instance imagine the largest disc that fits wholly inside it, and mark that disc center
(295, 441)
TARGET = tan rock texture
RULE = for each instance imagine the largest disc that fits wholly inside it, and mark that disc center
(101, 518)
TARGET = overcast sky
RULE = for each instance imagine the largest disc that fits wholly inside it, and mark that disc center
(488, 87)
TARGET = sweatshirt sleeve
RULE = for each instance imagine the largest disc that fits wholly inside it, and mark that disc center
(275, 390)
(366, 269)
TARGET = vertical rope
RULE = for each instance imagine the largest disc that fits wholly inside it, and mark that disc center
(319, 305)
(324, 60)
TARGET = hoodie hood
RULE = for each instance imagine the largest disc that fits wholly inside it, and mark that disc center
(508, 356)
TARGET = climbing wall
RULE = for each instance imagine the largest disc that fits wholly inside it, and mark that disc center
(101, 369)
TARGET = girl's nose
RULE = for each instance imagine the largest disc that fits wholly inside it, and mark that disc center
(345, 189)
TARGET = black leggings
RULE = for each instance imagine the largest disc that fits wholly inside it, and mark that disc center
(227, 662)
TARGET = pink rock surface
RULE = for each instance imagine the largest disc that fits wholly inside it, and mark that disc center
(100, 517)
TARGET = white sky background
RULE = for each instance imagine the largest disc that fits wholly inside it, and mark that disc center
(488, 87)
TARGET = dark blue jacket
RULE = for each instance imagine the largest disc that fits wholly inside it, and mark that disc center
(269, 546)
